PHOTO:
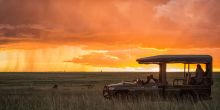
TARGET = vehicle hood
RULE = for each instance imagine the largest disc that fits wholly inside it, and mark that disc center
(122, 84)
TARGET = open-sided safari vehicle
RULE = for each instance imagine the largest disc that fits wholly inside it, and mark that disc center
(197, 84)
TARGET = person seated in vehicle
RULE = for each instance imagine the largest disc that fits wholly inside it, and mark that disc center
(200, 74)
(139, 81)
(151, 79)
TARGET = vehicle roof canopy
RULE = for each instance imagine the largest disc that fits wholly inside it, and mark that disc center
(175, 59)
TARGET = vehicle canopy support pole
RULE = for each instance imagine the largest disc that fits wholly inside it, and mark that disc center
(185, 78)
(209, 72)
(188, 74)
(162, 74)
(184, 70)
(209, 69)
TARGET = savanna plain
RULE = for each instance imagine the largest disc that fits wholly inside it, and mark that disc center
(83, 91)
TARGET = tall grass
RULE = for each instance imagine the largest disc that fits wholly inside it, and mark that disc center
(94, 101)
(73, 95)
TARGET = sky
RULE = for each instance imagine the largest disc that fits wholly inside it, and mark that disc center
(104, 35)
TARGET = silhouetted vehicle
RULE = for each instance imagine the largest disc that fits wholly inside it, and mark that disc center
(180, 87)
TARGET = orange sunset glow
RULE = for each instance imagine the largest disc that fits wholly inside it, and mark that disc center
(104, 35)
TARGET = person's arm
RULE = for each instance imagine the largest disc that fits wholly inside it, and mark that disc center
(148, 80)
(155, 80)
(197, 71)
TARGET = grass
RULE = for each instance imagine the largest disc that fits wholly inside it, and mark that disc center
(83, 91)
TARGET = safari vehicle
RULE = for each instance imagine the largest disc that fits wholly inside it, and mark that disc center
(179, 87)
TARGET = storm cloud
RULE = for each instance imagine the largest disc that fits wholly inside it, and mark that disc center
(105, 23)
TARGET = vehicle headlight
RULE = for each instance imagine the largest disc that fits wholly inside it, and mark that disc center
(111, 88)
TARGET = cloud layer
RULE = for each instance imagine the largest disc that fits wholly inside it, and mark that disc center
(145, 23)
(122, 29)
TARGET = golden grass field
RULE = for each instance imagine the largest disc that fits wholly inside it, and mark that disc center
(83, 91)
